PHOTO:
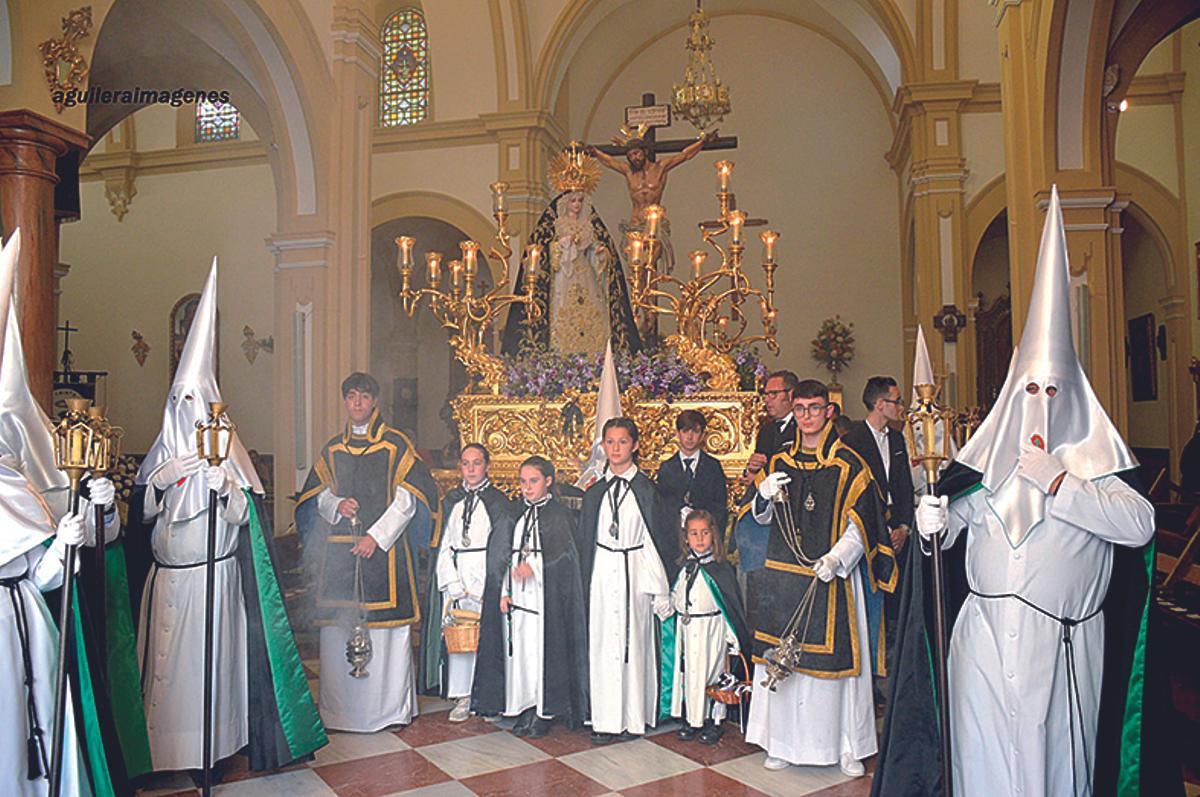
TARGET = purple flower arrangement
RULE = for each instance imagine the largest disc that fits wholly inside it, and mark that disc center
(657, 374)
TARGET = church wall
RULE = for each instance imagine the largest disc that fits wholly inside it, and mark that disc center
(983, 150)
(462, 59)
(1190, 114)
(978, 42)
(812, 166)
(461, 172)
(1143, 287)
(1146, 140)
(128, 275)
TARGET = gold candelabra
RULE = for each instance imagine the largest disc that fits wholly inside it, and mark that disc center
(466, 316)
(214, 437)
(924, 420)
(701, 98)
(708, 306)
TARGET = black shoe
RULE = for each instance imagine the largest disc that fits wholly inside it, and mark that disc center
(711, 733)
(686, 733)
(524, 722)
(603, 738)
(626, 736)
(218, 774)
(540, 727)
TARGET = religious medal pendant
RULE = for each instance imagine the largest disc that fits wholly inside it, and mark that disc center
(614, 530)
(687, 618)
(466, 539)
(809, 503)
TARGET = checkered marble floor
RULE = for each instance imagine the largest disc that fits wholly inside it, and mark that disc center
(434, 757)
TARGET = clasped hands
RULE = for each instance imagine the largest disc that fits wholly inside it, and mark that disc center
(177, 469)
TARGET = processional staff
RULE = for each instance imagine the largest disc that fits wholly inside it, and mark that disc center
(107, 442)
(76, 452)
(924, 420)
(213, 439)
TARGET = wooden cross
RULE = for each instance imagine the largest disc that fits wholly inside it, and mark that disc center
(654, 146)
(67, 329)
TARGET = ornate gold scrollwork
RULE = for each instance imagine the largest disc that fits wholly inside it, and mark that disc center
(64, 65)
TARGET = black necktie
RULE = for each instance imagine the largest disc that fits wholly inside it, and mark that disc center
(688, 465)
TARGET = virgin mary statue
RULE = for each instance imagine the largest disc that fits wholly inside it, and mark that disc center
(582, 292)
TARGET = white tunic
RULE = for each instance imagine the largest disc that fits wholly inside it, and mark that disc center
(1009, 713)
(41, 571)
(389, 695)
(171, 636)
(706, 643)
(460, 578)
(624, 693)
(813, 721)
(523, 670)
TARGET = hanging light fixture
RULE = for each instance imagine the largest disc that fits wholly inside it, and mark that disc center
(701, 99)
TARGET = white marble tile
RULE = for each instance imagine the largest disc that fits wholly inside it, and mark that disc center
(621, 766)
(475, 755)
(450, 788)
(789, 782)
(301, 783)
(162, 783)
(348, 746)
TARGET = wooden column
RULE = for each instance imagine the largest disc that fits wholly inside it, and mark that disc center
(30, 145)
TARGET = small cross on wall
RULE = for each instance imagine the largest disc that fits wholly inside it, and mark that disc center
(950, 321)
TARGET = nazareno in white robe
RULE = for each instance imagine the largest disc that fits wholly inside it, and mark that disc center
(389, 695)
(34, 571)
(1009, 711)
(171, 635)
(624, 695)
(463, 582)
(814, 721)
(706, 643)
(523, 670)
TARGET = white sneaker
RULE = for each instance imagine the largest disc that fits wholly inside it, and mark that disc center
(772, 763)
(851, 767)
(461, 711)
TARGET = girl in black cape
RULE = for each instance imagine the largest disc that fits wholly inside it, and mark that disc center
(532, 659)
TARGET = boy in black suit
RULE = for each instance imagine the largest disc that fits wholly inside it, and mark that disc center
(693, 479)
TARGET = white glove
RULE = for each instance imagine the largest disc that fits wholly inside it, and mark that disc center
(662, 607)
(217, 479)
(71, 530)
(824, 567)
(932, 515)
(174, 470)
(1038, 467)
(772, 484)
(102, 491)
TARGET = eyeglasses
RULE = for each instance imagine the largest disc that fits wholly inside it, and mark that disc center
(770, 393)
(809, 409)
(897, 402)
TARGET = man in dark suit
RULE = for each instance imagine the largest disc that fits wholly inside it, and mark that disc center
(693, 478)
(776, 433)
(877, 440)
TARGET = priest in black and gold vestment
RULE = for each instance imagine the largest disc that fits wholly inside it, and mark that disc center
(821, 711)
(369, 502)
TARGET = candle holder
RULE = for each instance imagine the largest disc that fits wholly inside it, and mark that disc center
(75, 445)
(468, 317)
(708, 306)
(214, 437)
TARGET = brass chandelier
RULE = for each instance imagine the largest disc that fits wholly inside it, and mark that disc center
(701, 98)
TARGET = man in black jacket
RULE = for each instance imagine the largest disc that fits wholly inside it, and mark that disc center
(693, 478)
(877, 441)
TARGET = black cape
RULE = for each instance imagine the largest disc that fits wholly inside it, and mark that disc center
(526, 338)
(722, 577)
(500, 512)
(661, 520)
(565, 691)
(1132, 757)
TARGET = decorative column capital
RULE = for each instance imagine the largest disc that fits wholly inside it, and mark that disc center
(31, 143)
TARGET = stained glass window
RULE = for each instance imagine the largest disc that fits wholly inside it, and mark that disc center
(404, 77)
(216, 121)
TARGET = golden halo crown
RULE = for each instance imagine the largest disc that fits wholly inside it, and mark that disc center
(574, 170)
(626, 135)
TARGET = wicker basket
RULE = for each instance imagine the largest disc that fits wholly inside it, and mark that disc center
(728, 696)
(462, 632)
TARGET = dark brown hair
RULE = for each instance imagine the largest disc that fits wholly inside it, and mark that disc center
(691, 420)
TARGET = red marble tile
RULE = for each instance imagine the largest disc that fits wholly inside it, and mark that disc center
(543, 777)
(859, 787)
(731, 746)
(378, 775)
(436, 728)
(689, 784)
(562, 741)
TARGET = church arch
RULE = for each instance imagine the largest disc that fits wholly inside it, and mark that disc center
(875, 29)
(451, 210)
